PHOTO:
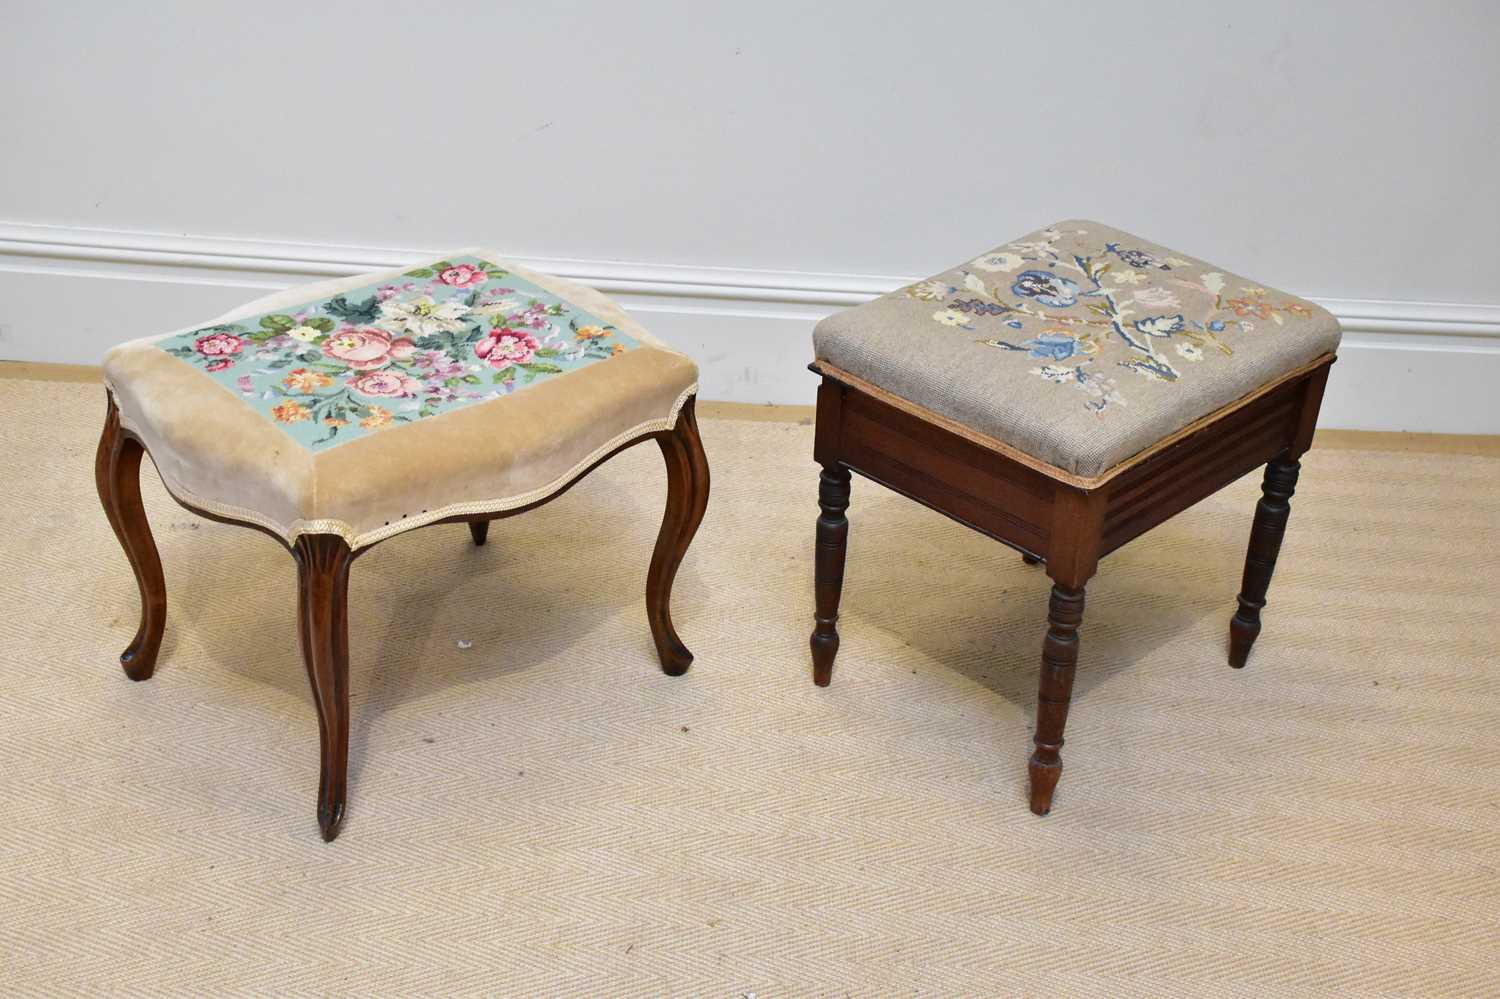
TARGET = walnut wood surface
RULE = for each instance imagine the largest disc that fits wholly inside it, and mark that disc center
(117, 477)
(1053, 518)
(1271, 514)
(832, 542)
(323, 563)
(687, 499)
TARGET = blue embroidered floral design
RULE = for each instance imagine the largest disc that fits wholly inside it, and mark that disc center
(1049, 346)
(1118, 299)
(442, 337)
(1047, 288)
(1159, 325)
(1139, 259)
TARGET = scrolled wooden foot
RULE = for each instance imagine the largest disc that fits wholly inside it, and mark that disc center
(1271, 513)
(1055, 693)
(323, 628)
(479, 530)
(687, 500)
(832, 545)
(117, 477)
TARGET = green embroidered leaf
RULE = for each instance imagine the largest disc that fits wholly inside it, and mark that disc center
(310, 356)
(322, 323)
(537, 368)
(548, 352)
(496, 274)
(471, 379)
(279, 322)
(354, 312)
(420, 272)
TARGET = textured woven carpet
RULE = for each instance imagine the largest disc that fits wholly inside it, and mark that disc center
(543, 812)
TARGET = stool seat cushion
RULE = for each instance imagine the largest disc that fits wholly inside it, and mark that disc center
(370, 405)
(1079, 345)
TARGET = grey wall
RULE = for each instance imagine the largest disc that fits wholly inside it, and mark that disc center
(1345, 150)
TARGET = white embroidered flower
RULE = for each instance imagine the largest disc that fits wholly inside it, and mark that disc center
(421, 316)
(306, 334)
(1036, 247)
(1127, 277)
(1157, 298)
(1191, 351)
(1000, 261)
(950, 317)
(1213, 282)
(930, 291)
(503, 307)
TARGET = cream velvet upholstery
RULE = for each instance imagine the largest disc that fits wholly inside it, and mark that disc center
(1079, 345)
(218, 450)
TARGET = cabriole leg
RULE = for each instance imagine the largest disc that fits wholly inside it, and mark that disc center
(117, 476)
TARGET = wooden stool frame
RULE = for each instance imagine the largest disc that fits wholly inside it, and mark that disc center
(1052, 516)
(323, 562)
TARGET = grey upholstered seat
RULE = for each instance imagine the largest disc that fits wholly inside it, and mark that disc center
(1080, 345)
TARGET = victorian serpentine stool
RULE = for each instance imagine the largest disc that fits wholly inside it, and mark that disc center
(334, 416)
(1064, 394)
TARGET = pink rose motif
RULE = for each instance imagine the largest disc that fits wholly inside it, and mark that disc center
(216, 344)
(220, 364)
(505, 346)
(365, 348)
(462, 276)
(385, 383)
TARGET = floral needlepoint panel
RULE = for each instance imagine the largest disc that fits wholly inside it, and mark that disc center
(1079, 344)
(439, 338)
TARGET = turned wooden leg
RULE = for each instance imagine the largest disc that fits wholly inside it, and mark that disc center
(479, 530)
(1059, 659)
(1260, 561)
(323, 627)
(833, 541)
(117, 476)
(687, 499)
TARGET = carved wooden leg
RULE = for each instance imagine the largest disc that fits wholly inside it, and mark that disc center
(1059, 658)
(323, 627)
(479, 530)
(117, 476)
(687, 499)
(833, 541)
(1260, 561)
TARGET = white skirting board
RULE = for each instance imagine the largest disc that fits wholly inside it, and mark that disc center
(67, 294)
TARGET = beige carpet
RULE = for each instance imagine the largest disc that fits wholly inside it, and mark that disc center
(545, 813)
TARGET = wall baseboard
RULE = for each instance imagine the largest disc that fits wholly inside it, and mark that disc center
(68, 293)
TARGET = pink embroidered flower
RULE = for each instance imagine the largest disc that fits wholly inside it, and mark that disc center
(437, 364)
(365, 348)
(246, 385)
(216, 344)
(505, 346)
(461, 276)
(385, 383)
(220, 364)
